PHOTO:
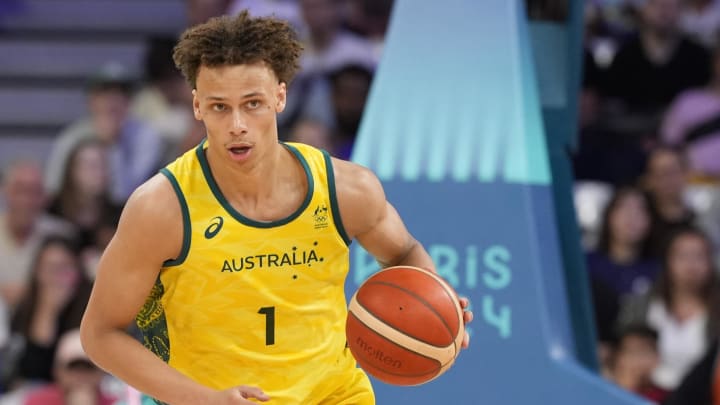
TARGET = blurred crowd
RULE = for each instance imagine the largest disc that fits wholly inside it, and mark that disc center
(647, 169)
(647, 192)
(59, 215)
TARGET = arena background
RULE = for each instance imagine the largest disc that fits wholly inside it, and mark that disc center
(474, 159)
(471, 124)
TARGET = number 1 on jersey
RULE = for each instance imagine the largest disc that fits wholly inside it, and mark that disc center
(269, 313)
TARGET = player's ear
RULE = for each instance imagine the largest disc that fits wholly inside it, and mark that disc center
(196, 106)
(281, 97)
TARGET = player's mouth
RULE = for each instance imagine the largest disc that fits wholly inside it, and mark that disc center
(239, 152)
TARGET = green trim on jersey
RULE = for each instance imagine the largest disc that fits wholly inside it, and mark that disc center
(187, 227)
(238, 216)
(333, 198)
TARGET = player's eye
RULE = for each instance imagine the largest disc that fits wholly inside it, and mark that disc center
(253, 104)
(219, 107)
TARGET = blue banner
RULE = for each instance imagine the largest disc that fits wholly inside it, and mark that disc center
(454, 130)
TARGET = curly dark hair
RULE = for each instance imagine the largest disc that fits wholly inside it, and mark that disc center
(236, 41)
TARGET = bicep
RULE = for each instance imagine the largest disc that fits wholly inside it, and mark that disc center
(367, 215)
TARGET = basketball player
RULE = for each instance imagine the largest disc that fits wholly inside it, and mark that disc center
(234, 257)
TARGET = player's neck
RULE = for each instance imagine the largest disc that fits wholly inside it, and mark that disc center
(254, 182)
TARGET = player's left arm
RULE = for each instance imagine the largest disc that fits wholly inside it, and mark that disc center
(369, 218)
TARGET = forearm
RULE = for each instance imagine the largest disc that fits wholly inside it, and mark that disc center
(415, 255)
(124, 357)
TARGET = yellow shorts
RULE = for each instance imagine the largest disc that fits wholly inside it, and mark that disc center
(355, 390)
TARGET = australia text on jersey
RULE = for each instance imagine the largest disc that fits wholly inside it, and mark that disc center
(269, 260)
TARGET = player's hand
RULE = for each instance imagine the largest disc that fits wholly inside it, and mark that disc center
(239, 395)
(467, 318)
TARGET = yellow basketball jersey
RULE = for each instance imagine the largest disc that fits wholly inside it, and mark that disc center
(256, 303)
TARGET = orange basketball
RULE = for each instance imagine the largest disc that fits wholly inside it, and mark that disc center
(405, 325)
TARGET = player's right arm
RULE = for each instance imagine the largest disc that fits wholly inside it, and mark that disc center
(149, 233)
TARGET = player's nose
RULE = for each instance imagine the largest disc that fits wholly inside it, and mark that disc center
(239, 125)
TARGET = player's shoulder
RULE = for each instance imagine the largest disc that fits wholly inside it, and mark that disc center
(151, 224)
(157, 187)
(354, 178)
(153, 201)
(360, 196)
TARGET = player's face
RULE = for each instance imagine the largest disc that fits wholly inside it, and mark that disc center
(239, 105)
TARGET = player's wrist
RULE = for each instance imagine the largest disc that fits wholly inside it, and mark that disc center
(198, 394)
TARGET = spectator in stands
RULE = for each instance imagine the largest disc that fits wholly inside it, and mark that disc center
(135, 148)
(608, 23)
(693, 121)
(370, 19)
(23, 225)
(619, 266)
(84, 200)
(619, 260)
(312, 133)
(165, 100)
(700, 20)
(606, 308)
(634, 358)
(199, 11)
(350, 85)
(84, 196)
(54, 303)
(701, 385)
(328, 46)
(603, 153)
(682, 306)
(665, 180)
(650, 69)
(77, 380)
(195, 134)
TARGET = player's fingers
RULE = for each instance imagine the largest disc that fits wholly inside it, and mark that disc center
(466, 341)
(464, 302)
(253, 392)
(467, 316)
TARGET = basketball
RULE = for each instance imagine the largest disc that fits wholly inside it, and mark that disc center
(405, 326)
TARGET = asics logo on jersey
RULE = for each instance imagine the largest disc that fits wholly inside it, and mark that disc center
(214, 227)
